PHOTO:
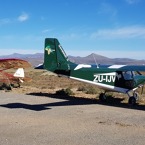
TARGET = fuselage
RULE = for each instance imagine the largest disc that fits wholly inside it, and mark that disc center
(104, 77)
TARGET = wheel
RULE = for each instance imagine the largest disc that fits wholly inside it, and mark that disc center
(135, 95)
(132, 100)
(102, 97)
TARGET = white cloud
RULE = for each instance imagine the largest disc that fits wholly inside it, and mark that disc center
(5, 21)
(124, 32)
(108, 9)
(23, 17)
(132, 1)
(47, 30)
(70, 36)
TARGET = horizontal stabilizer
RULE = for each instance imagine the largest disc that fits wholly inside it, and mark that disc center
(40, 66)
(19, 73)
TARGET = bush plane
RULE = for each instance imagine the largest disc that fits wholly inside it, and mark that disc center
(116, 78)
(8, 80)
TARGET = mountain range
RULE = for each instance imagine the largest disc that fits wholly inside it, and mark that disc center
(93, 58)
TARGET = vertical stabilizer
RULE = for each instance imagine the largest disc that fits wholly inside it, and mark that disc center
(54, 56)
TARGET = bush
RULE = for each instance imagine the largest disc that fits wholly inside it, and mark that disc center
(82, 88)
(65, 92)
(88, 89)
(91, 90)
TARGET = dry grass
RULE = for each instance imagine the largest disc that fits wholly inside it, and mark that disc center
(47, 82)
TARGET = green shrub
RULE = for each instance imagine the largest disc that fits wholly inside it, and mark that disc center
(82, 88)
(88, 89)
(91, 90)
(65, 92)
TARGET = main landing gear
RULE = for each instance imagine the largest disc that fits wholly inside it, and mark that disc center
(132, 99)
(102, 97)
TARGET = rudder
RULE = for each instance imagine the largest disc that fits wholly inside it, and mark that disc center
(54, 56)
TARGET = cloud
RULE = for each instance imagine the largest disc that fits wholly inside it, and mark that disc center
(5, 21)
(47, 30)
(23, 17)
(107, 9)
(124, 32)
(71, 36)
(132, 1)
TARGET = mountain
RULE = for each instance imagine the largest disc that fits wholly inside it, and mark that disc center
(90, 59)
(93, 58)
(99, 59)
(34, 59)
(17, 55)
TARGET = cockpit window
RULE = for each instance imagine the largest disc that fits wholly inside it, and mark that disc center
(128, 75)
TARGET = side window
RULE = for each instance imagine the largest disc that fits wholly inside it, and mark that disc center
(127, 75)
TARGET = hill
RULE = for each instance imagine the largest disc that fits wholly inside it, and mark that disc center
(99, 59)
(93, 58)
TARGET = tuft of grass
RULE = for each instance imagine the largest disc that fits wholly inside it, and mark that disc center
(91, 90)
(82, 88)
(65, 92)
(88, 89)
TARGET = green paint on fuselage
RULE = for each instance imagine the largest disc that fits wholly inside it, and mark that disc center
(56, 60)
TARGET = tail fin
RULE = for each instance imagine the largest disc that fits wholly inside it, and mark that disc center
(19, 73)
(55, 59)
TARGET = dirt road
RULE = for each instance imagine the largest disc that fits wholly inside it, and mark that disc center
(39, 120)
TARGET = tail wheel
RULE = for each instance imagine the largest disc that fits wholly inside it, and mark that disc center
(132, 100)
(102, 97)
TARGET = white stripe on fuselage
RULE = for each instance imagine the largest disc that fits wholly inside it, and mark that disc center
(104, 86)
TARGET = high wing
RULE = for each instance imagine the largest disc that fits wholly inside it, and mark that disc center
(127, 67)
(13, 63)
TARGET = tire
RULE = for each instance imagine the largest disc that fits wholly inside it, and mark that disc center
(102, 97)
(132, 101)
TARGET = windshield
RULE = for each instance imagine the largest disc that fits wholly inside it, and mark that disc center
(128, 75)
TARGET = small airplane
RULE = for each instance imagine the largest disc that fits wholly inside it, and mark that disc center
(116, 78)
(8, 80)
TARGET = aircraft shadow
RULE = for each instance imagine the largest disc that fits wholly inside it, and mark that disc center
(70, 101)
(66, 101)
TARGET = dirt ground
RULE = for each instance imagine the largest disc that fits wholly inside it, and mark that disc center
(36, 114)
(43, 81)
(50, 119)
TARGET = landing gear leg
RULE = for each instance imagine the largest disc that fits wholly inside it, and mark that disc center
(102, 97)
(132, 99)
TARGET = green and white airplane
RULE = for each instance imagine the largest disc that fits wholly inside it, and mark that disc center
(116, 78)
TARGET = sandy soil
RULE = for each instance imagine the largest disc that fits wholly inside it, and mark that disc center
(43, 81)
(49, 119)
(35, 114)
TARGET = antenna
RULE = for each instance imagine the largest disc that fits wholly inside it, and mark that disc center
(95, 61)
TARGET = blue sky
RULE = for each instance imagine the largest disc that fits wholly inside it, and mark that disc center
(113, 28)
